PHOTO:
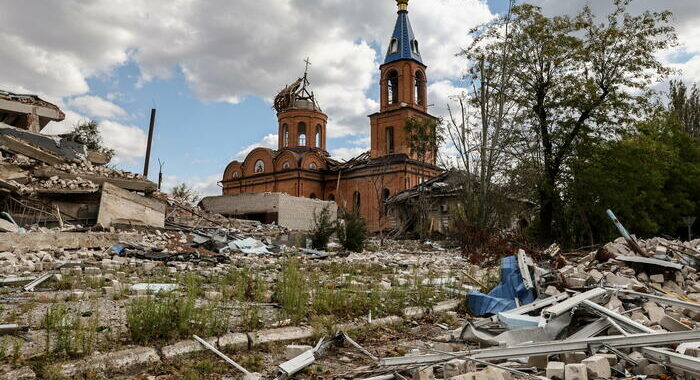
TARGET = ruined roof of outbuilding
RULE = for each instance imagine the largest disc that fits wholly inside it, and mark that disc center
(28, 99)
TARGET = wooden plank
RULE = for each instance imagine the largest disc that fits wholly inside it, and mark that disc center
(121, 206)
(142, 185)
(17, 146)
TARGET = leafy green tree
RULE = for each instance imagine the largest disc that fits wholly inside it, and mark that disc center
(185, 193)
(580, 79)
(650, 178)
(685, 106)
(324, 227)
(88, 133)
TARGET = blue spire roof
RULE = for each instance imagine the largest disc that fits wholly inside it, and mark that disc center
(403, 44)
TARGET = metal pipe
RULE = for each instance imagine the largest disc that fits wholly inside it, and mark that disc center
(150, 142)
(221, 355)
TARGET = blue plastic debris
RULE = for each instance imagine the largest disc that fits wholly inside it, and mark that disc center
(118, 250)
(502, 297)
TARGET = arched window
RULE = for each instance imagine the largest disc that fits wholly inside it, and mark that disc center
(390, 140)
(392, 82)
(285, 142)
(356, 201)
(286, 165)
(313, 166)
(301, 130)
(235, 174)
(331, 198)
(394, 46)
(259, 166)
(385, 195)
(318, 136)
(414, 46)
(312, 196)
(420, 88)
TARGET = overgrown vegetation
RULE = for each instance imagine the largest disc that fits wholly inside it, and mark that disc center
(324, 227)
(185, 193)
(88, 133)
(68, 335)
(352, 231)
(172, 316)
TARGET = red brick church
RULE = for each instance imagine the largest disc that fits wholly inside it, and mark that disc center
(302, 167)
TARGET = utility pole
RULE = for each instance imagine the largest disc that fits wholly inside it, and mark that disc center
(150, 142)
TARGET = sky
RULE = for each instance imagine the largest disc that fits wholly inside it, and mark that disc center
(212, 67)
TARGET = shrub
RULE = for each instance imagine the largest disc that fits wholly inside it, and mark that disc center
(323, 229)
(353, 232)
(173, 316)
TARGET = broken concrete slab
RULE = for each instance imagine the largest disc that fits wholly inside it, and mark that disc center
(597, 367)
(121, 206)
(555, 369)
(233, 340)
(140, 185)
(575, 372)
(280, 335)
(185, 347)
(119, 361)
(66, 240)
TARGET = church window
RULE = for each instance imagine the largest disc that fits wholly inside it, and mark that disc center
(313, 166)
(393, 87)
(318, 136)
(394, 46)
(286, 135)
(390, 140)
(259, 166)
(414, 46)
(356, 201)
(286, 165)
(420, 88)
(385, 195)
(301, 130)
(235, 174)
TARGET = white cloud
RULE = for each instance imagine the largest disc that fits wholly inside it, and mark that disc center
(204, 186)
(128, 142)
(347, 152)
(270, 141)
(96, 106)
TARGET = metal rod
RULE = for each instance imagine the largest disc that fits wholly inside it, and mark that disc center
(221, 354)
(150, 142)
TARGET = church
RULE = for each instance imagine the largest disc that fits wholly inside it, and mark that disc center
(302, 167)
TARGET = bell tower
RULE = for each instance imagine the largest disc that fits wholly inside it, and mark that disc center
(402, 89)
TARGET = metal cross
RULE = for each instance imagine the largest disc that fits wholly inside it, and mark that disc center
(308, 63)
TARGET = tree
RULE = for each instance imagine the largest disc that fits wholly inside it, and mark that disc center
(685, 106)
(481, 128)
(185, 193)
(424, 137)
(580, 78)
(88, 134)
(649, 178)
(324, 227)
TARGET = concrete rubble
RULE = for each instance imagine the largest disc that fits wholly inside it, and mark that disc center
(79, 238)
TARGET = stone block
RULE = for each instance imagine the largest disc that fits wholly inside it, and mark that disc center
(454, 367)
(234, 340)
(575, 372)
(672, 324)
(655, 370)
(493, 373)
(424, 374)
(657, 278)
(293, 350)
(555, 370)
(597, 366)
(574, 357)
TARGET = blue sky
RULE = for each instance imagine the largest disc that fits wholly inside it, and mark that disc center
(211, 67)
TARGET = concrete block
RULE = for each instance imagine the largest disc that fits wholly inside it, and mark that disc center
(538, 361)
(575, 372)
(122, 206)
(493, 373)
(654, 370)
(454, 367)
(555, 370)
(424, 374)
(672, 324)
(293, 350)
(597, 366)
(284, 334)
(185, 347)
(657, 278)
(234, 340)
(574, 357)
(552, 291)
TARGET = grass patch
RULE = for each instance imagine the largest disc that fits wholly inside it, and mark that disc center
(172, 316)
(292, 292)
(69, 336)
